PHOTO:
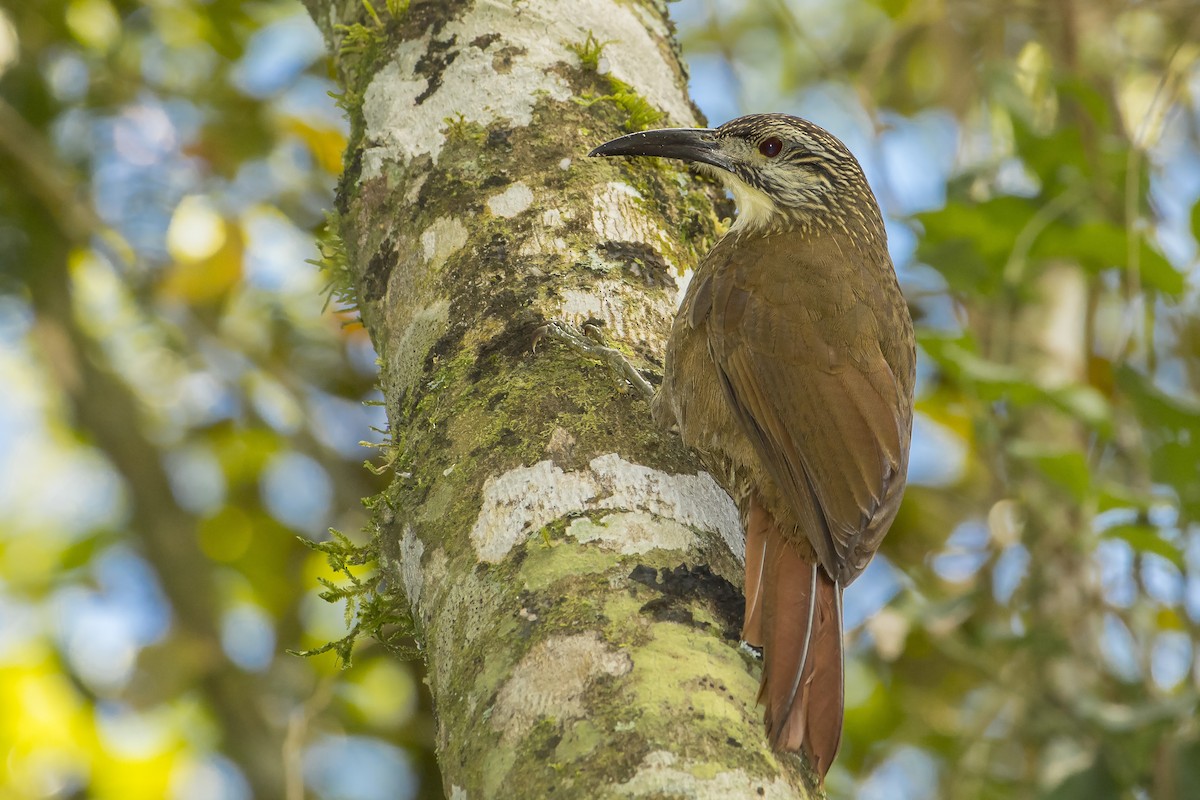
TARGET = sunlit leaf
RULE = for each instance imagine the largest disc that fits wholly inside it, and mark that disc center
(1168, 619)
(1084, 403)
(208, 279)
(326, 144)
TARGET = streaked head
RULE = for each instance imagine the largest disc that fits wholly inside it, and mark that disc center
(783, 171)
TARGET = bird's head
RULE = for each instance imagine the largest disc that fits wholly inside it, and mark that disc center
(784, 172)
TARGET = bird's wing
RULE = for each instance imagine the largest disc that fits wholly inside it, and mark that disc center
(811, 388)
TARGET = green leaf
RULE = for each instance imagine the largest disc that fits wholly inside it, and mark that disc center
(959, 356)
(1087, 404)
(1187, 764)
(1067, 468)
(1089, 783)
(1172, 435)
(1099, 246)
(1058, 159)
(1119, 495)
(969, 243)
(81, 552)
(1147, 539)
(992, 381)
(1085, 93)
(1064, 162)
(1158, 273)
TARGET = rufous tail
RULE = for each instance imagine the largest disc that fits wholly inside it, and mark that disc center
(794, 613)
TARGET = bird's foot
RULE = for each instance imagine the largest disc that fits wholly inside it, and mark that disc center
(589, 342)
(753, 651)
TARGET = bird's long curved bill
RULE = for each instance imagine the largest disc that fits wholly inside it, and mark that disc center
(687, 144)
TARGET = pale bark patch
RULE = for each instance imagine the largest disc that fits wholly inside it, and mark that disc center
(551, 681)
(682, 279)
(434, 574)
(625, 316)
(617, 217)
(399, 128)
(660, 774)
(412, 550)
(463, 609)
(544, 239)
(512, 201)
(407, 351)
(633, 532)
(561, 447)
(524, 500)
(442, 239)
(1058, 326)
(413, 195)
(889, 630)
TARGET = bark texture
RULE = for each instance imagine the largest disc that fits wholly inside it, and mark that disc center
(572, 573)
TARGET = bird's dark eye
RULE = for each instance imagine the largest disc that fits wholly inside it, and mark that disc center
(770, 147)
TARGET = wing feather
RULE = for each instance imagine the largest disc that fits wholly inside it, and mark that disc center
(820, 404)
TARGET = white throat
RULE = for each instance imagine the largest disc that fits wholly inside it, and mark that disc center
(755, 207)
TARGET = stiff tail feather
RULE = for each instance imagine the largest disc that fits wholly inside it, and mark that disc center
(797, 614)
(758, 523)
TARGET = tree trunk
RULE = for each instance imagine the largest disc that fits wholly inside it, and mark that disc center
(571, 571)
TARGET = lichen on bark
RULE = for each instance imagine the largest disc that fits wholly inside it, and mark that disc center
(571, 572)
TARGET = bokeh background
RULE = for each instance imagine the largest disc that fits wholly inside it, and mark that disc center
(182, 403)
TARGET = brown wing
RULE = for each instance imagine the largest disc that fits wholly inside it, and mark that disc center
(799, 352)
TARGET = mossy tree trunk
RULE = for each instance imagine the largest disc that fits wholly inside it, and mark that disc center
(571, 571)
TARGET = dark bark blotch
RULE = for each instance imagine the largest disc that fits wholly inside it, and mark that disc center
(640, 260)
(494, 180)
(431, 14)
(503, 60)
(433, 64)
(348, 181)
(684, 584)
(496, 250)
(514, 341)
(443, 190)
(499, 139)
(665, 609)
(545, 749)
(375, 279)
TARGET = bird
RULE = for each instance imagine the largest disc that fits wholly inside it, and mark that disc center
(790, 368)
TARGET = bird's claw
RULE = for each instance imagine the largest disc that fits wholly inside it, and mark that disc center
(589, 342)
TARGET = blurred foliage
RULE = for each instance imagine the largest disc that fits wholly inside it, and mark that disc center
(184, 399)
(184, 393)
